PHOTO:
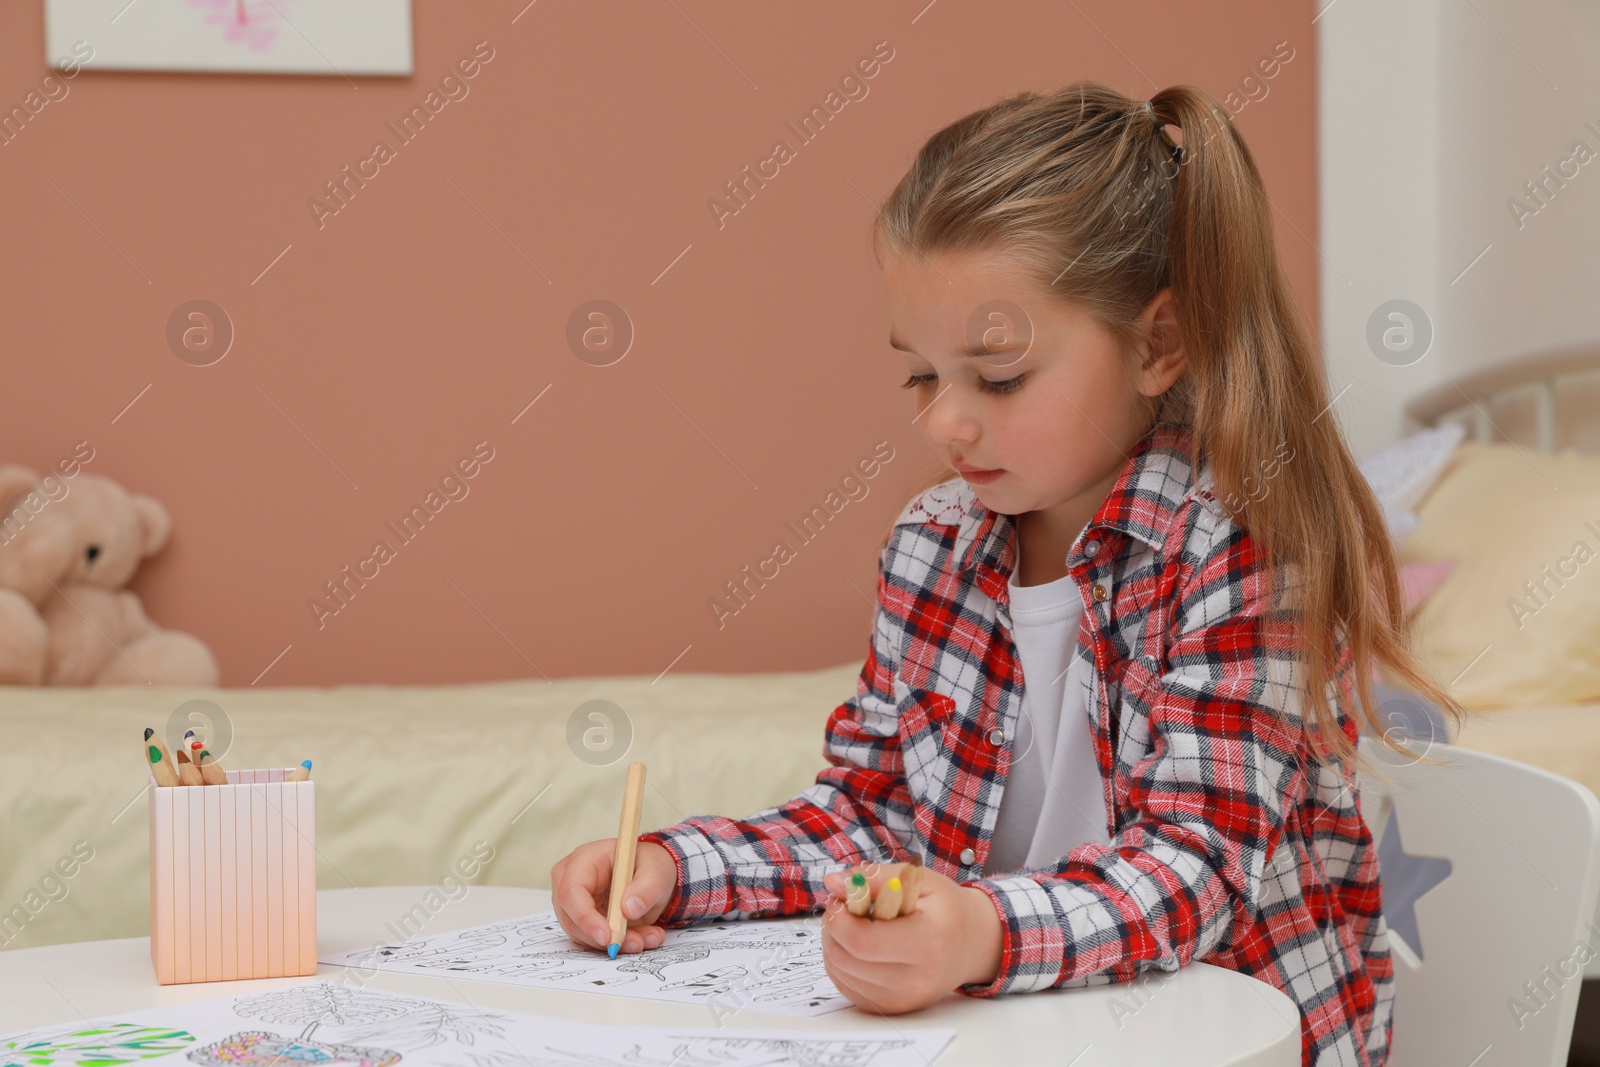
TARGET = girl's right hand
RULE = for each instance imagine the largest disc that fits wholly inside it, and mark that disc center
(580, 889)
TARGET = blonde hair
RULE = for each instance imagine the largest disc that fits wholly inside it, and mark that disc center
(1084, 190)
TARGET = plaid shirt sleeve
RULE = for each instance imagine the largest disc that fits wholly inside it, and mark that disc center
(858, 811)
(1212, 794)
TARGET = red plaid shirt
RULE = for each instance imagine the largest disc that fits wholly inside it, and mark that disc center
(1227, 842)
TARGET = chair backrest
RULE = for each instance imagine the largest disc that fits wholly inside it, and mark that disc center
(1505, 934)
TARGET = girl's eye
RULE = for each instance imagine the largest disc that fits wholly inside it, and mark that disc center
(1008, 385)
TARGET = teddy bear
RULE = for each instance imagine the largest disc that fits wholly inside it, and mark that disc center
(68, 545)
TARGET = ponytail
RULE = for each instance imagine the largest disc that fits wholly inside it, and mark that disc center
(1088, 190)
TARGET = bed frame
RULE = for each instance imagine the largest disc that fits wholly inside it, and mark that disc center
(1546, 399)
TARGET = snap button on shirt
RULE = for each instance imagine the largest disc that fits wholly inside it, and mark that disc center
(997, 736)
(1099, 593)
(968, 857)
(1090, 548)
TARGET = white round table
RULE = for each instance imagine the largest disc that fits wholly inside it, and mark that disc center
(1201, 1016)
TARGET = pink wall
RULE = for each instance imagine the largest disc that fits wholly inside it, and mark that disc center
(433, 308)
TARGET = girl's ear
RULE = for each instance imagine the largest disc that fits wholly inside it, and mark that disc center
(1165, 358)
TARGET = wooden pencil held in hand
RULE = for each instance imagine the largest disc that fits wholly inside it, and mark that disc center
(622, 866)
(233, 878)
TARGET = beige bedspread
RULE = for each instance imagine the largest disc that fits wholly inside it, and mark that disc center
(411, 779)
(408, 779)
(1561, 738)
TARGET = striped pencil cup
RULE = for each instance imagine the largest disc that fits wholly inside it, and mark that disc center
(233, 878)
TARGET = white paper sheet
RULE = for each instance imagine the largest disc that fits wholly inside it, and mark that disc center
(329, 1025)
(772, 965)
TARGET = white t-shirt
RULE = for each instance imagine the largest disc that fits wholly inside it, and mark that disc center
(1053, 800)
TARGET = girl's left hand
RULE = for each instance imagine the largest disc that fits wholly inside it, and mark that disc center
(889, 966)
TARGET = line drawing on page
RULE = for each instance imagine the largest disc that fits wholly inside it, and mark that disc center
(768, 964)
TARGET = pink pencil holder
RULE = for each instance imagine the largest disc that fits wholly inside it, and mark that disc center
(233, 878)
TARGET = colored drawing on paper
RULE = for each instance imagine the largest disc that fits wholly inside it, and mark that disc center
(340, 1026)
(93, 1046)
(330, 38)
(260, 1049)
(257, 1048)
(252, 23)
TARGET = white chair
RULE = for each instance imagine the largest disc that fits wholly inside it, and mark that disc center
(1505, 934)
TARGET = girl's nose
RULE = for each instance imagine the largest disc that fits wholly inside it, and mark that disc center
(945, 422)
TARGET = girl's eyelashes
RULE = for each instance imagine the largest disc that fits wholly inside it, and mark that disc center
(1007, 385)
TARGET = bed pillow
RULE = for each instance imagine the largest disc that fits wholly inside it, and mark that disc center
(1404, 472)
(1417, 580)
(1400, 475)
(1517, 622)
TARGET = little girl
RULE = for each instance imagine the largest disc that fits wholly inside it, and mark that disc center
(1118, 663)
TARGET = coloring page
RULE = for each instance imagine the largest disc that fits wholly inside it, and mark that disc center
(772, 965)
(333, 1025)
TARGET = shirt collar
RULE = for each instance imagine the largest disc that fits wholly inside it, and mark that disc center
(1154, 482)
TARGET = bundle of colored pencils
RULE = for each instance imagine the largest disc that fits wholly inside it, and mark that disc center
(198, 769)
(898, 896)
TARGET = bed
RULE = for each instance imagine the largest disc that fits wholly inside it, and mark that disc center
(1514, 631)
(1540, 414)
(410, 780)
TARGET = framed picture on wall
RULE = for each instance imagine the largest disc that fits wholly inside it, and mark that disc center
(335, 37)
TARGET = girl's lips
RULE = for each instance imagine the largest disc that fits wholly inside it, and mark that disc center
(980, 477)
